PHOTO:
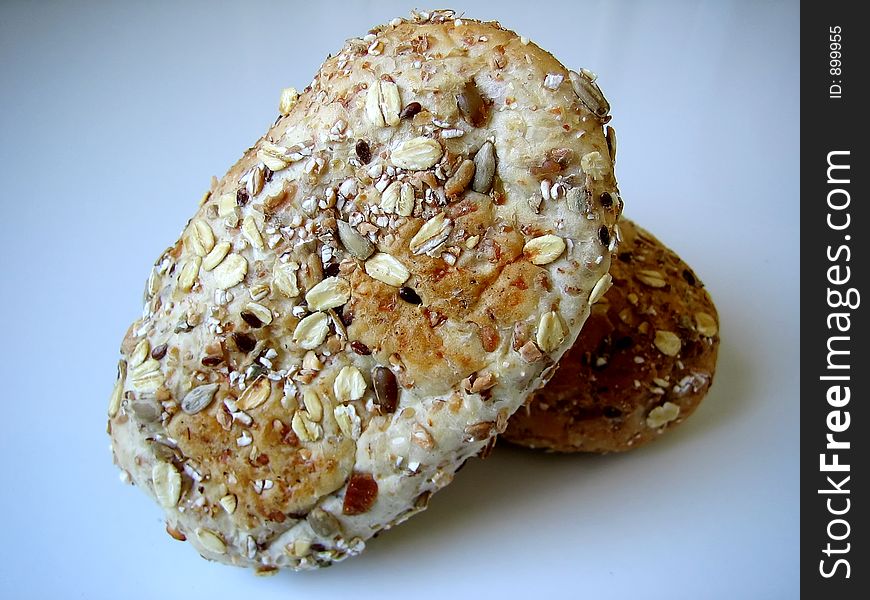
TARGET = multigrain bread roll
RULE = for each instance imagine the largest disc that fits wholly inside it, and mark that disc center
(362, 301)
(643, 362)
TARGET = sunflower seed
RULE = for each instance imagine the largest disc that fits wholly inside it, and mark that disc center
(550, 333)
(201, 238)
(216, 256)
(167, 484)
(544, 249)
(145, 408)
(189, 273)
(417, 154)
(667, 342)
(706, 324)
(349, 384)
(589, 93)
(611, 143)
(289, 98)
(211, 541)
(431, 235)
(311, 331)
(329, 293)
(323, 523)
(471, 104)
(198, 398)
(662, 415)
(387, 269)
(353, 242)
(255, 394)
(484, 168)
(231, 271)
(460, 179)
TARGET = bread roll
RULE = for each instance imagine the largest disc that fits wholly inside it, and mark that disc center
(362, 301)
(645, 359)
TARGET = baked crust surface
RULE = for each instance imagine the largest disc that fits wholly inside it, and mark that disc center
(368, 294)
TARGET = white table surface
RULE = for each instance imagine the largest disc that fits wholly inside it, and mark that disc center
(113, 117)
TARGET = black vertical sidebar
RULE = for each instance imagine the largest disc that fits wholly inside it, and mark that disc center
(834, 367)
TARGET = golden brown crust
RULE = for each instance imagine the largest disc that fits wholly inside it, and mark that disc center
(245, 402)
(618, 387)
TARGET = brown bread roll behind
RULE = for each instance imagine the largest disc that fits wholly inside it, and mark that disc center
(643, 362)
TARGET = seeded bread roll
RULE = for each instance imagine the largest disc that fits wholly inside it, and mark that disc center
(643, 362)
(362, 301)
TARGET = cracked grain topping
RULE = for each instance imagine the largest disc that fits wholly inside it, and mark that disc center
(644, 360)
(361, 301)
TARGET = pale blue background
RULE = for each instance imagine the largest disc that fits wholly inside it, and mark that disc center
(113, 117)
